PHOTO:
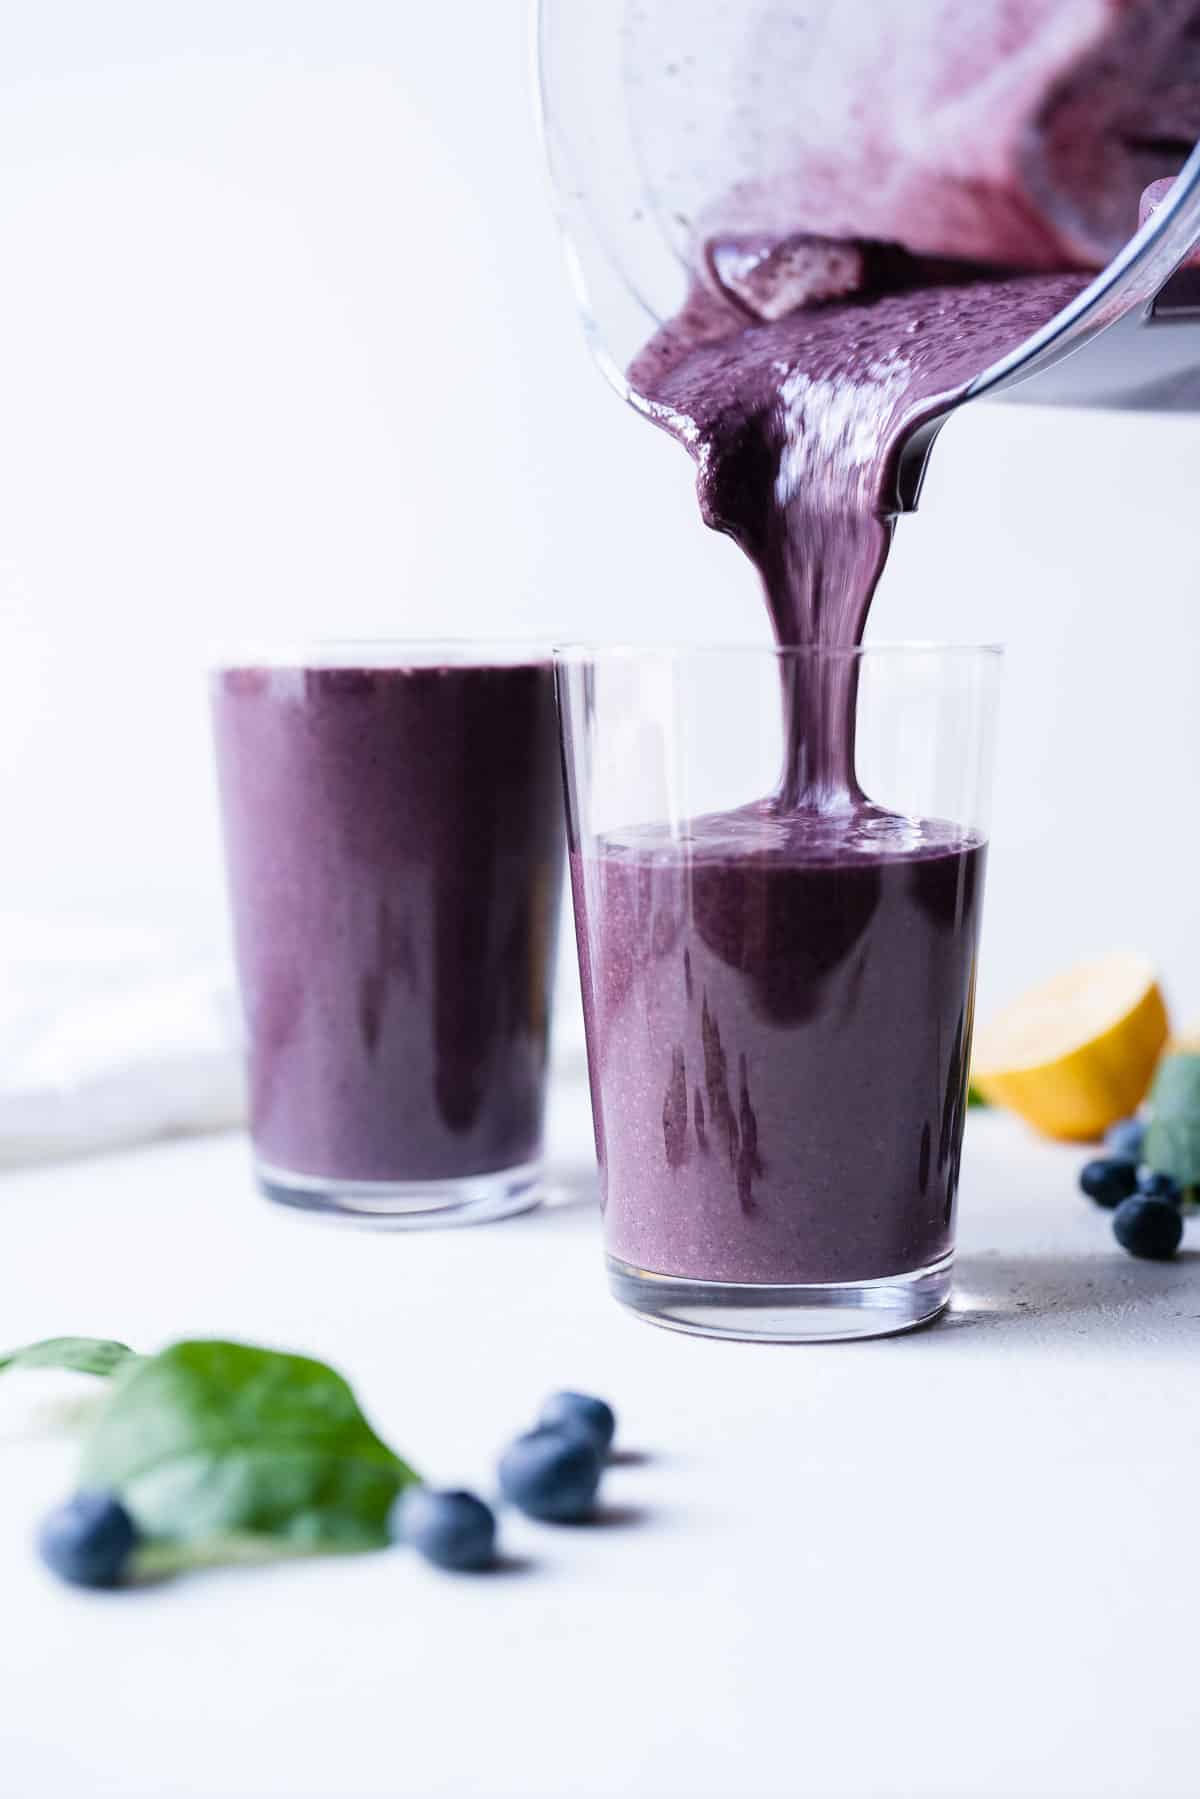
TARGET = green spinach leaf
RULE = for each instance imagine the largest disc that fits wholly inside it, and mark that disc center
(1173, 1139)
(213, 1440)
(81, 1355)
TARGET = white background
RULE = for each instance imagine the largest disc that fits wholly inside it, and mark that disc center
(287, 347)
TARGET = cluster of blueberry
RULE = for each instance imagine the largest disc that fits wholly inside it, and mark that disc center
(551, 1472)
(1147, 1206)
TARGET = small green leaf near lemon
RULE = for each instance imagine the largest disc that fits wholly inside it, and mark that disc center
(1173, 1138)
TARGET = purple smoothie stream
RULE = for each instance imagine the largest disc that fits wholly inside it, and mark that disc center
(779, 1001)
(394, 842)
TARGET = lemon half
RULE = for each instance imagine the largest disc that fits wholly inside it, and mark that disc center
(1077, 1053)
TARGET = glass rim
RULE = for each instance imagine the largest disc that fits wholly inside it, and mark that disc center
(379, 652)
(579, 652)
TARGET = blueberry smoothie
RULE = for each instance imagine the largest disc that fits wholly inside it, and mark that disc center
(394, 843)
(779, 1031)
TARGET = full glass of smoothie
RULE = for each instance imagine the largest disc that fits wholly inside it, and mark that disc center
(393, 829)
(777, 861)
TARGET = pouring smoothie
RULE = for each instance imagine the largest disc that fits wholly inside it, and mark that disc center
(779, 997)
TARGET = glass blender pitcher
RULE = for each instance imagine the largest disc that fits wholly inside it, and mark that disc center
(648, 112)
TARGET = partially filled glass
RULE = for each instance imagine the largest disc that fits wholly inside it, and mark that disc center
(394, 839)
(779, 973)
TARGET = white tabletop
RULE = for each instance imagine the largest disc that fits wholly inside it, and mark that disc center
(960, 1562)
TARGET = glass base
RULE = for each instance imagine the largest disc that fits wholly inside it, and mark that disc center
(828, 1312)
(408, 1205)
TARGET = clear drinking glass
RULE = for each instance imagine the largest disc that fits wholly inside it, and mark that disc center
(777, 861)
(394, 838)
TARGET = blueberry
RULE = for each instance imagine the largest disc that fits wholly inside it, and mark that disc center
(1108, 1181)
(1150, 1228)
(551, 1474)
(89, 1540)
(1156, 1185)
(1126, 1140)
(452, 1530)
(580, 1412)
